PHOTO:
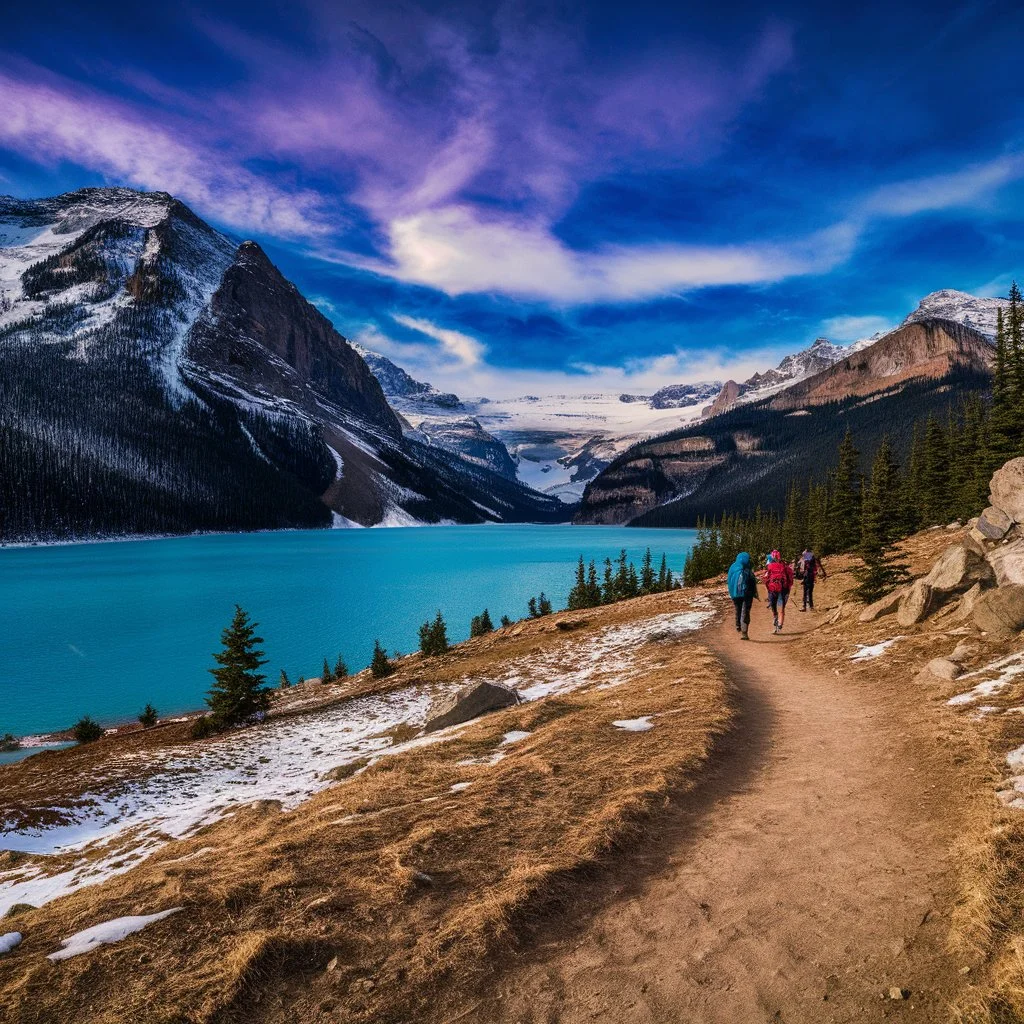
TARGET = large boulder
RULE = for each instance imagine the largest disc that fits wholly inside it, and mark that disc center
(965, 606)
(992, 524)
(1001, 610)
(468, 703)
(916, 604)
(959, 567)
(883, 606)
(1006, 490)
(939, 669)
(1007, 561)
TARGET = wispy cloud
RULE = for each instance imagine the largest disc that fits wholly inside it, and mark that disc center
(465, 350)
(853, 328)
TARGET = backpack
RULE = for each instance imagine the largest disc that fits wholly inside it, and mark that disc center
(777, 577)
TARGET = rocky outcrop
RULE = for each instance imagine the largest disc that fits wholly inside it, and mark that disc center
(467, 438)
(958, 569)
(916, 604)
(724, 401)
(883, 606)
(1006, 491)
(468, 703)
(928, 349)
(1000, 611)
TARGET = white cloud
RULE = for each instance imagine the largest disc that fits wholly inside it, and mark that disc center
(853, 328)
(465, 350)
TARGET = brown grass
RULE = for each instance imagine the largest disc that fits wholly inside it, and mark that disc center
(360, 904)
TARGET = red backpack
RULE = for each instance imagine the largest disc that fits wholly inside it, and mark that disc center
(778, 577)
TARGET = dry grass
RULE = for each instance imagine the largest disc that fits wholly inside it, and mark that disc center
(363, 902)
(987, 926)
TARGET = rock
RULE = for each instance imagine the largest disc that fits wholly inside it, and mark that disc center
(916, 604)
(955, 525)
(899, 993)
(963, 652)
(965, 605)
(1001, 610)
(992, 524)
(468, 703)
(883, 606)
(940, 668)
(958, 568)
(333, 965)
(1007, 562)
(1006, 490)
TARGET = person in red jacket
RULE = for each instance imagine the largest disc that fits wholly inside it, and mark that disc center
(778, 581)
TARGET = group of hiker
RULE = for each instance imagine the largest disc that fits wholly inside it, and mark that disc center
(778, 577)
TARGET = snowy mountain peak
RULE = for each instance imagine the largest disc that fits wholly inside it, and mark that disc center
(962, 308)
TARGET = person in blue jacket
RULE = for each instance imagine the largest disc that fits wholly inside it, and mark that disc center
(743, 591)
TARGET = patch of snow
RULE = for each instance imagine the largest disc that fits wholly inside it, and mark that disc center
(1007, 670)
(514, 736)
(458, 787)
(8, 941)
(104, 934)
(634, 724)
(866, 652)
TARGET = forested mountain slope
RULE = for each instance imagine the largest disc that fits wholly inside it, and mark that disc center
(748, 456)
(157, 376)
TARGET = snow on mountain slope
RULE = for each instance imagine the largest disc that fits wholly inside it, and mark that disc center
(156, 376)
(962, 308)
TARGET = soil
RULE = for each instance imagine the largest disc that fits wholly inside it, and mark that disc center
(810, 879)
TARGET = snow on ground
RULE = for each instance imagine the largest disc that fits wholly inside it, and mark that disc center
(8, 941)
(123, 818)
(607, 658)
(634, 724)
(103, 934)
(865, 652)
(1006, 669)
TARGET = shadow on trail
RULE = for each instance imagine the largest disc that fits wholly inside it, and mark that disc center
(627, 873)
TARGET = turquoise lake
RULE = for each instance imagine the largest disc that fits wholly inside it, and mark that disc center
(100, 629)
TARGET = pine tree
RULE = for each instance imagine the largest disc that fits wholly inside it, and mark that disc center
(284, 681)
(238, 693)
(86, 730)
(340, 668)
(543, 605)
(935, 485)
(845, 511)
(326, 676)
(663, 575)
(505, 621)
(434, 636)
(647, 574)
(380, 666)
(531, 607)
(1015, 346)
(794, 522)
(578, 595)
(147, 717)
(481, 625)
(593, 587)
(608, 585)
(879, 573)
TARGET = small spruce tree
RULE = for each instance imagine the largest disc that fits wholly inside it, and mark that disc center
(505, 621)
(86, 730)
(326, 675)
(147, 716)
(380, 666)
(543, 605)
(238, 692)
(284, 682)
(340, 668)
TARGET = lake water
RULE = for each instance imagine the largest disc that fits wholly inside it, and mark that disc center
(101, 629)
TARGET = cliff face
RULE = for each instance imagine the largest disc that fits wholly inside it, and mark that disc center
(923, 350)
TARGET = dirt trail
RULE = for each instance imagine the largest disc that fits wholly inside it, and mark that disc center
(811, 873)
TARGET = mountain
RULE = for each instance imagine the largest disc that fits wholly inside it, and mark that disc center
(555, 444)
(745, 457)
(157, 376)
(962, 308)
(817, 357)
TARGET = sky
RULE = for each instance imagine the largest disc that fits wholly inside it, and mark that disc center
(513, 198)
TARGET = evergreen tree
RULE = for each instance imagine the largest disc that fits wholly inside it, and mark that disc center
(879, 573)
(593, 587)
(543, 605)
(380, 666)
(663, 575)
(481, 624)
(147, 717)
(85, 730)
(794, 522)
(505, 621)
(284, 682)
(434, 636)
(340, 668)
(1015, 345)
(238, 692)
(845, 511)
(578, 596)
(608, 584)
(531, 607)
(647, 574)
(326, 676)
(934, 494)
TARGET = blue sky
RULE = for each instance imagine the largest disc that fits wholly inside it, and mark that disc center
(539, 197)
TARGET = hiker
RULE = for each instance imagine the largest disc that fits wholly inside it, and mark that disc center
(808, 567)
(743, 591)
(778, 581)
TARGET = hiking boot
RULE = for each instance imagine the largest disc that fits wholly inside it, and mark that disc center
(744, 636)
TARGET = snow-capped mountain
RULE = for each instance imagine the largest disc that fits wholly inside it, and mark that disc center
(961, 308)
(158, 376)
(401, 385)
